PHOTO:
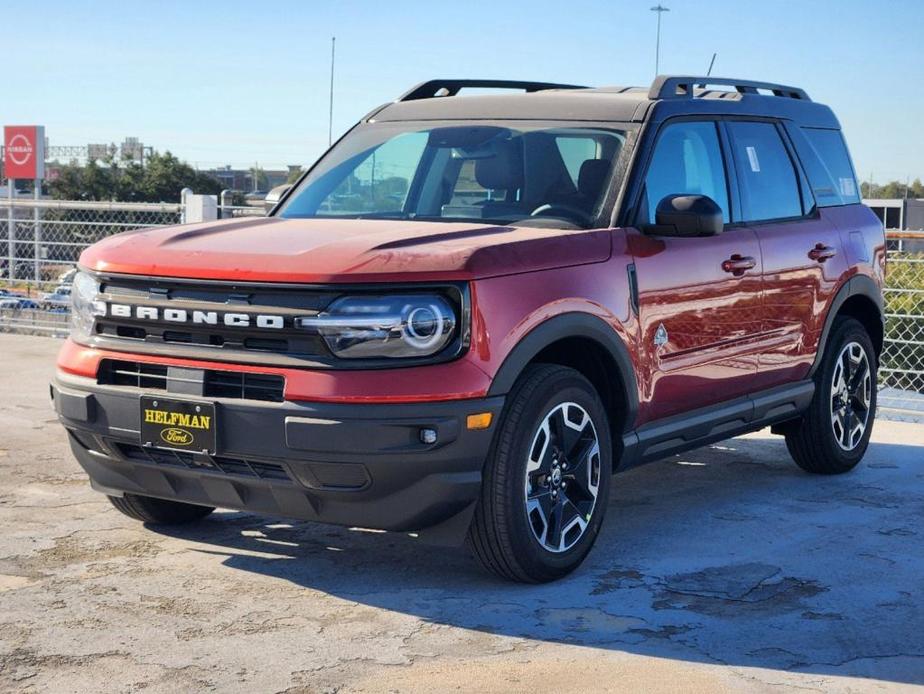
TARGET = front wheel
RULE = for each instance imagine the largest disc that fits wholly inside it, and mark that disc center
(833, 434)
(546, 480)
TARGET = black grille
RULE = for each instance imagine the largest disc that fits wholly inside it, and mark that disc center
(200, 309)
(242, 323)
(208, 383)
(229, 466)
(247, 386)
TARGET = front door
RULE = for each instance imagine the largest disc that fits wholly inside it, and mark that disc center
(698, 298)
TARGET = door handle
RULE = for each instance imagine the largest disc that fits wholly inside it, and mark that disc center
(738, 264)
(822, 252)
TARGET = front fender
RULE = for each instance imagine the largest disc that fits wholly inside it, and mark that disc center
(570, 325)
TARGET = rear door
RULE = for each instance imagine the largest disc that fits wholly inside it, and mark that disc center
(800, 248)
(698, 298)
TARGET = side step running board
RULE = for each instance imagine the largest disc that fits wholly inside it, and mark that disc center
(683, 432)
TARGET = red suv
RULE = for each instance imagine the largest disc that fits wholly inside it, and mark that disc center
(472, 309)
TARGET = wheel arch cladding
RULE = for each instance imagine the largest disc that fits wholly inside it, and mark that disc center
(860, 298)
(589, 345)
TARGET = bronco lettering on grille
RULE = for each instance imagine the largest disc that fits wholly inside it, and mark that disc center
(179, 315)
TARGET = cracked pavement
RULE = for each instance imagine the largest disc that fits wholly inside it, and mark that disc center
(724, 569)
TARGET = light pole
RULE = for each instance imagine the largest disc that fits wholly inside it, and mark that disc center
(330, 117)
(660, 9)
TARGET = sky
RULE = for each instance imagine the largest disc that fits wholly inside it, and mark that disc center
(246, 83)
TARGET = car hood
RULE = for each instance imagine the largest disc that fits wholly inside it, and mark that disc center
(273, 249)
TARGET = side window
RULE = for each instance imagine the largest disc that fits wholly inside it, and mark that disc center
(839, 176)
(766, 175)
(372, 186)
(687, 159)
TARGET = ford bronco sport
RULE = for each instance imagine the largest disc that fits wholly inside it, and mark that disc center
(473, 308)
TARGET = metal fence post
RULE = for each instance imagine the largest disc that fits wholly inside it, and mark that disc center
(183, 194)
(225, 199)
(37, 229)
(10, 230)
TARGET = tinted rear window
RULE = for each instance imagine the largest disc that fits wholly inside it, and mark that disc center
(832, 175)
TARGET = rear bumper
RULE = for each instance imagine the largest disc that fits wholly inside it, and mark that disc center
(347, 464)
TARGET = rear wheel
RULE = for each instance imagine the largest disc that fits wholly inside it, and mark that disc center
(159, 511)
(833, 435)
(546, 480)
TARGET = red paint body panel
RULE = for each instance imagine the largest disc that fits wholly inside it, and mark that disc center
(320, 251)
(456, 380)
(508, 308)
(711, 317)
(797, 291)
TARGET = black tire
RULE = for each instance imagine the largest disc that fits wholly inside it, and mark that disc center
(813, 440)
(159, 511)
(503, 537)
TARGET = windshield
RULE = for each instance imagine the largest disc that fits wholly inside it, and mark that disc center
(534, 175)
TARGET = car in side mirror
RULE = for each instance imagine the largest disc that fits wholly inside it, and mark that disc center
(687, 216)
(274, 196)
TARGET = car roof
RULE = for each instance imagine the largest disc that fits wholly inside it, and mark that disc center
(668, 96)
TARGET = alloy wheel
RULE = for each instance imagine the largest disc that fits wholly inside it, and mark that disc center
(851, 392)
(562, 477)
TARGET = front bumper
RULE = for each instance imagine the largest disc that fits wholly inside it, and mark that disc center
(348, 464)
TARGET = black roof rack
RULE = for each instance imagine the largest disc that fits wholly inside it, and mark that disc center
(681, 87)
(437, 88)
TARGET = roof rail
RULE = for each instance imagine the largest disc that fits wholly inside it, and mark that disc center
(681, 87)
(433, 88)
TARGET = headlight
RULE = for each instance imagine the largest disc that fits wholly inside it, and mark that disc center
(369, 327)
(85, 304)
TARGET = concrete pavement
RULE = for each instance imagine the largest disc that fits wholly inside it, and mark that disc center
(725, 569)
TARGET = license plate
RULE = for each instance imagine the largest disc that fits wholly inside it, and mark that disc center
(178, 424)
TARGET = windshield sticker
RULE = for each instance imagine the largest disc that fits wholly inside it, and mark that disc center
(848, 187)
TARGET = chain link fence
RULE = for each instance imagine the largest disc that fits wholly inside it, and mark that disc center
(901, 371)
(40, 241)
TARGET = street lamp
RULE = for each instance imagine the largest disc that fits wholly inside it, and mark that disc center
(660, 9)
(330, 120)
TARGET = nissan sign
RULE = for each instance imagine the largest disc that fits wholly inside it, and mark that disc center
(24, 151)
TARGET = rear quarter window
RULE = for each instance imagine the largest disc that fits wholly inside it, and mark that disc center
(830, 171)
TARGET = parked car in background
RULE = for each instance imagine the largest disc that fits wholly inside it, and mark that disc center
(18, 303)
(60, 298)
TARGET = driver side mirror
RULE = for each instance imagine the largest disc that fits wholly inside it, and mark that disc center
(687, 216)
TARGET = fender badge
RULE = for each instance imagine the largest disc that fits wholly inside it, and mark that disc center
(660, 338)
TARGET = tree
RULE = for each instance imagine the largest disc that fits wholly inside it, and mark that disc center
(160, 180)
(893, 189)
(88, 182)
(66, 186)
(165, 176)
(129, 185)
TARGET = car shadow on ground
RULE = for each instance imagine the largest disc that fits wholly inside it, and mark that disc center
(728, 554)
